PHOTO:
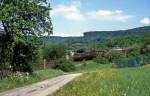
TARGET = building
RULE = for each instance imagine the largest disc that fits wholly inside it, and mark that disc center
(118, 49)
(87, 54)
(100, 53)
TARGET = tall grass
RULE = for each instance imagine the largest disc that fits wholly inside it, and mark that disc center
(110, 82)
(22, 79)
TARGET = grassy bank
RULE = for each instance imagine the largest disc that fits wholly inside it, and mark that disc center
(20, 80)
(89, 66)
(110, 82)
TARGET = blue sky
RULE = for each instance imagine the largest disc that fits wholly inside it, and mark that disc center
(73, 17)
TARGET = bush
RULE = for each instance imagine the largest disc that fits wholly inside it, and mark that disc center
(39, 59)
(54, 52)
(24, 55)
(19, 77)
(101, 60)
(123, 62)
(115, 55)
(64, 65)
(130, 62)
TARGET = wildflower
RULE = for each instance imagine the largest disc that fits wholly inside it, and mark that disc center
(124, 94)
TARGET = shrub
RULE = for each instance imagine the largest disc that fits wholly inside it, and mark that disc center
(55, 51)
(123, 62)
(115, 55)
(64, 65)
(24, 55)
(129, 62)
(101, 60)
(19, 77)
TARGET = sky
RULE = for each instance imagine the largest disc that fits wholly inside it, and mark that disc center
(74, 17)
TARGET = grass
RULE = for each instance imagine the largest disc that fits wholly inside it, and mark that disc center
(20, 80)
(110, 82)
(89, 66)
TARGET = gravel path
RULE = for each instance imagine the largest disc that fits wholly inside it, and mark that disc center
(42, 88)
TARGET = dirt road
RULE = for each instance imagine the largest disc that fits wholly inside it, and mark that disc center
(42, 88)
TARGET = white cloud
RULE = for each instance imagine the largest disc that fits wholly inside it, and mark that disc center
(145, 21)
(67, 34)
(70, 12)
(108, 15)
(61, 34)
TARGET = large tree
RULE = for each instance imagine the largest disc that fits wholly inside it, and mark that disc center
(22, 19)
(27, 17)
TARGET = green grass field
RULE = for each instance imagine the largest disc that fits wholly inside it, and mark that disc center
(20, 80)
(110, 82)
(89, 66)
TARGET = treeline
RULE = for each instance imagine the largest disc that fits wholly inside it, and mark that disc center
(97, 37)
(119, 33)
(135, 50)
(129, 41)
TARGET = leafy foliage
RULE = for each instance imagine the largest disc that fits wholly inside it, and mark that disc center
(24, 55)
(101, 60)
(27, 17)
(20, 20)
(115, 55)
(55, 51)
(64, 65)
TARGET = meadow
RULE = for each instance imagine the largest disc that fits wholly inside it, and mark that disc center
(110, 82)
(90, 66)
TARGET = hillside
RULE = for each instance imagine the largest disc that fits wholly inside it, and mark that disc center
(97, 36)
(119, 33)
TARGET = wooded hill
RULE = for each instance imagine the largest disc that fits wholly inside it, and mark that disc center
(94, 37)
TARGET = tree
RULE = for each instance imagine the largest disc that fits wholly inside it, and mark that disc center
(25, 17)
(24, 55)
(55, 51)
(22, 19)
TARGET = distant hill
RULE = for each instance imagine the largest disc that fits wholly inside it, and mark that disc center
(97, 36)
(120, 33)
